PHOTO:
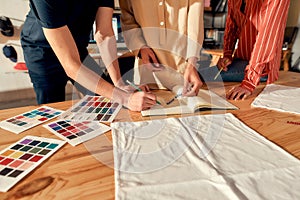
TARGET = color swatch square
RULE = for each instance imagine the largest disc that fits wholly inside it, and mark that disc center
(21, 158)
(29, 119)
(93, 108)
(75, 132)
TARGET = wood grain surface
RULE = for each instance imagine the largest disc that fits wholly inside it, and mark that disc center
(86, 171)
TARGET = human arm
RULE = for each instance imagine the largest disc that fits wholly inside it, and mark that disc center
(106, 42)
(230, 38)
(53, 18)
(192, 82)
(266, 53)
(265, 56)
(65, 49)
(195, 35)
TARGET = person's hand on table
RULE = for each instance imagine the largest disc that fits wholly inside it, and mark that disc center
(192, 82)
(149, 59)
(136, 98)
(238, 93)
(223, 63)
(141, 100)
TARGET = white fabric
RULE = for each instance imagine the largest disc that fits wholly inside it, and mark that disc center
(280, 98)
(214, 157)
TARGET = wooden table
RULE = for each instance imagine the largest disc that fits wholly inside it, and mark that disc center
(216, 54)
(76, 173)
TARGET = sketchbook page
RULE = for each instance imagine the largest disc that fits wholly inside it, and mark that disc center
(179, 106)
(211, 156)
(208, 99)
(201, 101)
(280, 98)
(183, 105)
(205, 98)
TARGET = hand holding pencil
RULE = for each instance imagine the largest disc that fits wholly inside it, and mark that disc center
(138, 89)
(222, 64)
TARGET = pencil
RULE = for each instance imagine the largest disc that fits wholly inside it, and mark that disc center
(176, 96)
(138, 89)
(219, 72)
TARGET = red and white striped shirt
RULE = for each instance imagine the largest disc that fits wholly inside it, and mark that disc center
(260, 31)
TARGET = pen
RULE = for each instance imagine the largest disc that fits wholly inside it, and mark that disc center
(219, 72)
(176, 96)
(138, 89)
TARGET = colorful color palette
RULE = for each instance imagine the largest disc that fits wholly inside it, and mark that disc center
(29, 119)
(22, 157)
(76, 132)
(93, 108)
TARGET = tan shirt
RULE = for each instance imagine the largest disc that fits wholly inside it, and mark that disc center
(172, 28)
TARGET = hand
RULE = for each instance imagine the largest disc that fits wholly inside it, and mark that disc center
(149, 59)
(238, 93)
(192, 82)
(139, 101)
(223, 63)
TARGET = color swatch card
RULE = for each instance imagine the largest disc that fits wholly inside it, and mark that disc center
(24, 156)
(91, 108)
(76, 132)
(29, 119)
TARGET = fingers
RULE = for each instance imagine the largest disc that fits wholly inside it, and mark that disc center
(232, 94)
(150, 97)
(223, 63)
(154, 60)
(145, 88)
(152, 68)
(191, 92)
(192, 82)
(149, 101)
(226, 64)
(192, 89)
(238, 93)
(149, 60)
(186, 87)
(157, 67)
(139, 101)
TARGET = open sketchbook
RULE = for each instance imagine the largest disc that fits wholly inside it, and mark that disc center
(205, 101)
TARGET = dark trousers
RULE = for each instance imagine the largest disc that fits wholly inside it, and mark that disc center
(235, 72)
(49, 78)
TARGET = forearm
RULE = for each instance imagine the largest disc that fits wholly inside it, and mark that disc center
(65, 49)
(95, 83)
(265, 57)
(230, 34)
(106, 42)
(270, 31)
(195, 28)
(108, 51)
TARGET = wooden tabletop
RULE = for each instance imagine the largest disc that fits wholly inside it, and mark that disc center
(86, 171)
